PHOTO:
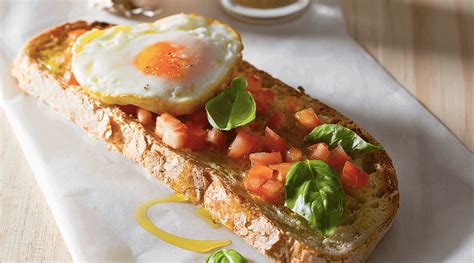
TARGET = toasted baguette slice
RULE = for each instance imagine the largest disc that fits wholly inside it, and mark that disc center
(209, 179)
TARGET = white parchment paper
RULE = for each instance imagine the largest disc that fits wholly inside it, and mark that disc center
(93, 193)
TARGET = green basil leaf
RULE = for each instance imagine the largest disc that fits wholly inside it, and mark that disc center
(225, 256)
(334, 134)
(232, 108)
(313, 190)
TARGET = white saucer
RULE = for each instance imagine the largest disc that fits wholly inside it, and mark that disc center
(264, 15)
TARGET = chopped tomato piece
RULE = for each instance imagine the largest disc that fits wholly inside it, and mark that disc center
(242, 145)
(75, 34)
(258, 146)
(73, 80)
(273, 142)
(263, 158)
(254, 82)
(198, 119)
(164, 122)
(352, 177)
(272, 191)
(337, 157)
(256, 127)
(253, 182)
(256, 177)
(292, 104)
(245, 128)
(319, 151)
(263, 99)
(282, 170)
(259, 181)
(293, 155)
(276, 120)
(196, 138)
(176, 136)
(145, 117)
(129, 109)
(216, 138)
(171, 130)
(308, 118)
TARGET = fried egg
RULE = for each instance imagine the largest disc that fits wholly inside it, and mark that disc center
(173, 65)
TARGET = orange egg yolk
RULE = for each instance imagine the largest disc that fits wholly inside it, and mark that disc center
(164, 59)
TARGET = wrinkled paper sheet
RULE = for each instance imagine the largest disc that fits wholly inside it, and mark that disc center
(92, 193)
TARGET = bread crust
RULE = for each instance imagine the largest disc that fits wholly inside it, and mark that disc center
(202, 183)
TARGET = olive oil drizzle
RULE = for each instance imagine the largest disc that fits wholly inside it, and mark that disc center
(205, 215)
(189, 244)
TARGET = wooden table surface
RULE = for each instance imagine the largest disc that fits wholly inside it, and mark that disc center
(426, 45)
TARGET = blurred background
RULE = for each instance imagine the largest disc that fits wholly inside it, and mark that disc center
(427, 46)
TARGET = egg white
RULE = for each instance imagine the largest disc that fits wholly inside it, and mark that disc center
(103, 61)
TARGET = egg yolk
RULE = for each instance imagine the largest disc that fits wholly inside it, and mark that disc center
(164, 59)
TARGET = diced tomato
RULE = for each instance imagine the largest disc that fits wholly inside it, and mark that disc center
(293, 155)
(263, 99)
(254, 82)
(256, 177)
(216, 138)
(73, 80)
(263, 158)
(196, 138)
(253, 129)
(164, 122)
(198, 119)
(276, 120)
(272, 191)
(282, 170)
(308, 118)
(172, 131)
(176, 136)
(245, 128)
(352, 177)
(292, 104)
(253, 182)
(75, 34)
(259, 181)
(256, 127)
(129, 109)
(258, 146)
(241, 146)
(319, 151)
(337, 158)
(273, 142)
(145, 117)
